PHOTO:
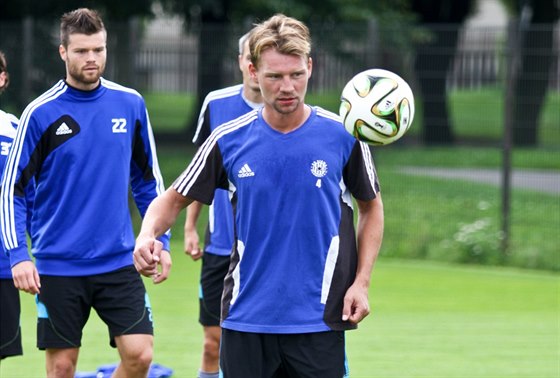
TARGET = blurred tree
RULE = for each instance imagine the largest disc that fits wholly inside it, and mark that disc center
(536, 41)
(37, 37)
(434, 55)
(215, 20)
(49, 9)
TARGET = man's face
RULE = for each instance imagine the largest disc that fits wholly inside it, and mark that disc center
(85, 57)
(283, 80)
(3, 77)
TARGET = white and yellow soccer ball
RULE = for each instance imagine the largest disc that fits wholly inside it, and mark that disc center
(377, 107)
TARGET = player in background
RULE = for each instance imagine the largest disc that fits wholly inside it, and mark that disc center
(299, 273)
(85, 141)
(10, 330)
(218, 107)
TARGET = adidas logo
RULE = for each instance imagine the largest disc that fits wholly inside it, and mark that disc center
(245, 171)
(63, 129)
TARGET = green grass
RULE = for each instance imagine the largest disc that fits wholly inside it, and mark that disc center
(428, 320)
(474, 113)
(436, 210)
(169, 112)
(466, 157)
(480, 113)
(440, 321)
(424, 215)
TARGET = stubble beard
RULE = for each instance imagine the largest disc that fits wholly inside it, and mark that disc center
(78, 75)
(286, 109)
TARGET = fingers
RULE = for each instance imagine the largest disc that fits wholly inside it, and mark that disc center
(346, 309)
(26, 277)
(192, 245)
(37, 281)
(355, 309)
(146, 256)
(165, 263)
(196, 253)
(358, 314)
(157, 250)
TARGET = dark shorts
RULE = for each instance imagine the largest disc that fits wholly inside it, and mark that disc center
(64, 305)
(304, 355)
(212, 274)
(10, 330)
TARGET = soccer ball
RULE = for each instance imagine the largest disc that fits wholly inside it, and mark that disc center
(377, 107)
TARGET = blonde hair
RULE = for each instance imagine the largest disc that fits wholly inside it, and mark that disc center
(285, 34)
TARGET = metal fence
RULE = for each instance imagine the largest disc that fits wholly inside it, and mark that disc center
(165, 58)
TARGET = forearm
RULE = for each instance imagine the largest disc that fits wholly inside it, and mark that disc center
(193, 212)
(370, 236)
(163, 212)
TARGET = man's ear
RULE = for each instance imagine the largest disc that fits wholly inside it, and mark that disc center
(62, 52)
(253, 72)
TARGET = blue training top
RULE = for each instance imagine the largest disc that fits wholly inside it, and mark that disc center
(295, 252)
(220, 107)
(84, 149)
(8, 125)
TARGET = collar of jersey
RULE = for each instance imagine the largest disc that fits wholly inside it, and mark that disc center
(292, 133)
(82, 95)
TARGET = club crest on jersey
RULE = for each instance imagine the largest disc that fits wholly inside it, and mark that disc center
(319, 169)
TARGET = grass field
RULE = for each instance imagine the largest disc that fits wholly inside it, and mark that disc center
(425, 215)
(429, 320)
(474, 113)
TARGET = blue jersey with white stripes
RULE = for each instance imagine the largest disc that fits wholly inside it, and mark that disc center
(84, 149)
(8, 124)
(219, 107)
(295, 252)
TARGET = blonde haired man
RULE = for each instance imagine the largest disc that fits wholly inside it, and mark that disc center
(299, 273)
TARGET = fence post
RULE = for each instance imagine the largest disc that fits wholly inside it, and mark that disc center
(517, 31)
(27, 60)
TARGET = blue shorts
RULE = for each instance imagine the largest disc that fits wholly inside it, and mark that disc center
(64, 305)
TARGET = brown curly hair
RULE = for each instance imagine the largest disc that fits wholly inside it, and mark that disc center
(4, 69)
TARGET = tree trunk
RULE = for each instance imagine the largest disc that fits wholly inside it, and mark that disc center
(432, 64)
(532, 80)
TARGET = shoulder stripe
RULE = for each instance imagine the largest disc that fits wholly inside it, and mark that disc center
(214, 95)
(368, 161)
(185, 181)
(328, 114)
(117, 87)
(7, 219)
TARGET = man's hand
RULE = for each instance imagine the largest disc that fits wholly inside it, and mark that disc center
(356, 304)
(192, 246)
(26, 277)
(148, 254)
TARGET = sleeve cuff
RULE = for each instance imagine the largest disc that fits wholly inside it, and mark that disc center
(18, 255)
(165, 240)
